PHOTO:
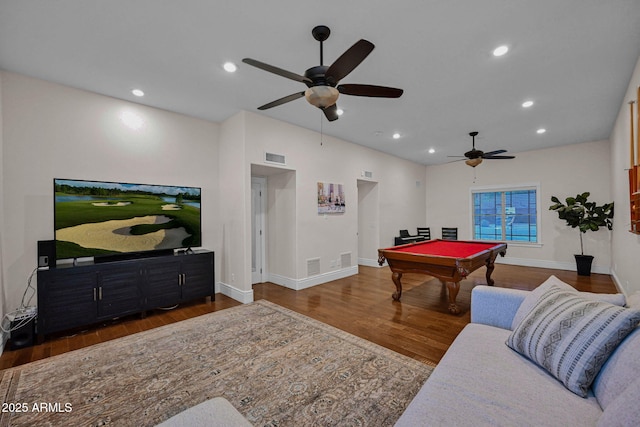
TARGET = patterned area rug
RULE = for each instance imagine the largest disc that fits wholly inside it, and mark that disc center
(277, 367)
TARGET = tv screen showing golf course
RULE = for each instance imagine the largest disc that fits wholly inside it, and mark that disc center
(96, 218)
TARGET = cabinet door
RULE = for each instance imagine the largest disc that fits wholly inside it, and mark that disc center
(197, 279)
(119, 291)
(162, 280)
(67, 298)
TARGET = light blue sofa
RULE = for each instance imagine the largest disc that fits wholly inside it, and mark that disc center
(480, 381)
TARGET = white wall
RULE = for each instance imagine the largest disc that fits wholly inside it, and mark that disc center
(3, 292)
(562, 171)
(625, 248)
(235, 208)
(49, 130)
(401, 192)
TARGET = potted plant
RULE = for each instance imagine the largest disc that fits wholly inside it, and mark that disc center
(585, 215)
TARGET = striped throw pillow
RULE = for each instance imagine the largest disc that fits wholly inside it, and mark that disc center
(571, 336)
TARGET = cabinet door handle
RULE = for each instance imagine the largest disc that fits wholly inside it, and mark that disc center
(100, 293)
(184, 279)
(94, 294)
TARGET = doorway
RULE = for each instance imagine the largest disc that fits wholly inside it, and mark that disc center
(368, 223)
(258, 208)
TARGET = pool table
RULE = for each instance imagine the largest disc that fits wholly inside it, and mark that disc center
(448, 260)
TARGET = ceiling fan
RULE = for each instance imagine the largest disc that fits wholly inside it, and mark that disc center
(475, 157)
(322, 81)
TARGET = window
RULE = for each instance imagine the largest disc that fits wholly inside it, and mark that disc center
(505, 214)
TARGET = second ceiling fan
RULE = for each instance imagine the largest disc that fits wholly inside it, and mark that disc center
(322, 80)
(475, 157)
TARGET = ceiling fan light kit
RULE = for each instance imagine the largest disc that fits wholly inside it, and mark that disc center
(474, 162)
(322, 81)
(321, 96)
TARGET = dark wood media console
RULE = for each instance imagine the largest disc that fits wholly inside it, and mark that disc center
(72, 296)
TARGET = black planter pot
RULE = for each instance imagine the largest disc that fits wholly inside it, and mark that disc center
(583, 264)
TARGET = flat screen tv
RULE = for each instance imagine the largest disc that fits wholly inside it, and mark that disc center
(110, 219)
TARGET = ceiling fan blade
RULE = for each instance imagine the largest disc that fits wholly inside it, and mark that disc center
(331, 112)
(370, 90)
(491, 153)
(348, 61)
(282, 100)
(276, 70)
(498, 157)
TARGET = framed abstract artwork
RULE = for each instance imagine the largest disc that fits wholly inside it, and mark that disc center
(330, 198)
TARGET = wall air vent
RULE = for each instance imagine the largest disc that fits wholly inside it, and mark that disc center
(345, 259)
(367, 174)
(313, 266)
(274, 158)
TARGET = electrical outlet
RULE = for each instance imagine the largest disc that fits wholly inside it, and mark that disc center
(233, 277)
(332, 264)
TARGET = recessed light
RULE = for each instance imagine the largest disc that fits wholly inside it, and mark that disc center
(541, 131)
(137, 92)
(340, 111)
(500, 50)
(527, 104)
(431, 150)
(396, 135)
(230, 67)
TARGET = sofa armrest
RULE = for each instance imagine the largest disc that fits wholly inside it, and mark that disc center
(495, 306)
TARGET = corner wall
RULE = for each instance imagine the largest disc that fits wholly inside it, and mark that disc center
(561, 171)
(401, 194)
(3, 293)
(50, 130)
(625, 247)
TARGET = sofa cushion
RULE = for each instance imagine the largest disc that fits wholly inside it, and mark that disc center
(621, 369)
(624, 410)
(482, 382)
(572, 336)
(532, 298)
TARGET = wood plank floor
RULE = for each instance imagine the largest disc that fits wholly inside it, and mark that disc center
(418, 326)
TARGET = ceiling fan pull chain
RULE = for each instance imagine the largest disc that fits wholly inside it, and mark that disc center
(321, 121)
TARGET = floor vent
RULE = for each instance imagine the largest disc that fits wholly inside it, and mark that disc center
(275, 158)
(313, 266)
(345, 260)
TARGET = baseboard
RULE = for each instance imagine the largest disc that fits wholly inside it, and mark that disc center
(524, 262)
(616, 281)
(307, 282)
(367, 262)
(244, 297)
(570, 266)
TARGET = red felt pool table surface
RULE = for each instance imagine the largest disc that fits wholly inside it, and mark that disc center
(448, 248)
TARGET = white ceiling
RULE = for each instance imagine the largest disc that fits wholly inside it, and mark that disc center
(573, 58)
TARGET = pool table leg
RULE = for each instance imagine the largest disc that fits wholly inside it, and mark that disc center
(490, 267)
(453, 288)
(396, 280)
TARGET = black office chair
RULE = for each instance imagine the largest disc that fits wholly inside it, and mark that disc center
(449, 233)
(405, 237)
(424, 232)
(405, 234)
